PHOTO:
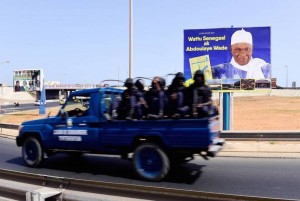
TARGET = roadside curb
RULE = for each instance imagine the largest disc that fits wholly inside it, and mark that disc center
(261, 149)
(259, 155)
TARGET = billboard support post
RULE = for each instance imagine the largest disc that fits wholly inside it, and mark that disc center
(43, 99)
(226, 111)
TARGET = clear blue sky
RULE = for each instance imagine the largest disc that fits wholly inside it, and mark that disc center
(86, 41)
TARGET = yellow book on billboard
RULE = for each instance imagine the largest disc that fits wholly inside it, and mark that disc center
(201, 63)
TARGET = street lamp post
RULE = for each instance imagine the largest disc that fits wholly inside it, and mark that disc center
(287, 75)
(4, 62)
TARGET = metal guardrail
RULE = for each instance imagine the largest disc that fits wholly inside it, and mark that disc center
(9, 126)
(9, 110)
(261, 135)
(75, 189)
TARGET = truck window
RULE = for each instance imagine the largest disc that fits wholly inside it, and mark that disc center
(111, 102)
(77, 106)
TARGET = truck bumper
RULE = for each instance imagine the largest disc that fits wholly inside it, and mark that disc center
(216, 146)
(18, 141)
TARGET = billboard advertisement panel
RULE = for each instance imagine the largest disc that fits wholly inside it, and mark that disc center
(236, 58)
(28, 80)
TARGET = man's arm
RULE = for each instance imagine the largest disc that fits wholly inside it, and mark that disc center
(266, 69)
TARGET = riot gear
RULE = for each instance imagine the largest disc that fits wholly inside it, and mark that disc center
(139, 84)
(199, 77)
(200, 96)
(158, 82)
(141, 104)
(156, 98)
(126, 107)
(176, 97)
(129, 83)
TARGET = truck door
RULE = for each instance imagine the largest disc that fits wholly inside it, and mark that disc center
(75, 130)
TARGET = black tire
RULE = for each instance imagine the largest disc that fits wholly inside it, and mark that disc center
(151, 162)
(179, 159)
(32, 152)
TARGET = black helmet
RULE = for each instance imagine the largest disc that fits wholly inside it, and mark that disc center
(179, 75)
(139, 84)
(178, 79)
(128, 82)
(199, 73)
(161, 81)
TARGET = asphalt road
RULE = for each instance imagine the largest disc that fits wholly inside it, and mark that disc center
(266, 177)
(24, 106)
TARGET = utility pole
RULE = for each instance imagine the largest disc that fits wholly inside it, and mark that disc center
(130, 39)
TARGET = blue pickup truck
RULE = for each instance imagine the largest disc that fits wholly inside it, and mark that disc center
(85, 125)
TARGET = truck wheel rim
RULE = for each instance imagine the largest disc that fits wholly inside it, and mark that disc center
(150, 163)
(31, 151)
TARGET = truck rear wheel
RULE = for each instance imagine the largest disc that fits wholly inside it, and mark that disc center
(32, 152)
(151, 162)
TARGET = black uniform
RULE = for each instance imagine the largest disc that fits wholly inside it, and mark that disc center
(156, 98)
(177, 97)
(199, 96)
(141, 106)
(126, 107)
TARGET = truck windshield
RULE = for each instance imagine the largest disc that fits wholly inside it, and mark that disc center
(77, 106)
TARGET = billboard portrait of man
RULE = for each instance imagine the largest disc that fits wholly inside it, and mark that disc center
(230, 53)
(242, 64)
(17, 86)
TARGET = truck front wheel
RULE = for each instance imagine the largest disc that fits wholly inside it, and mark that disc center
(32, 152)
(151, 162)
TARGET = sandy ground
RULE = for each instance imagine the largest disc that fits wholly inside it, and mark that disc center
(19, 117)
(266, 113)
(249, 113)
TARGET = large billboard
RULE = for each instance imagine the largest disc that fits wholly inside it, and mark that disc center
(28, 80)
(230, 57)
